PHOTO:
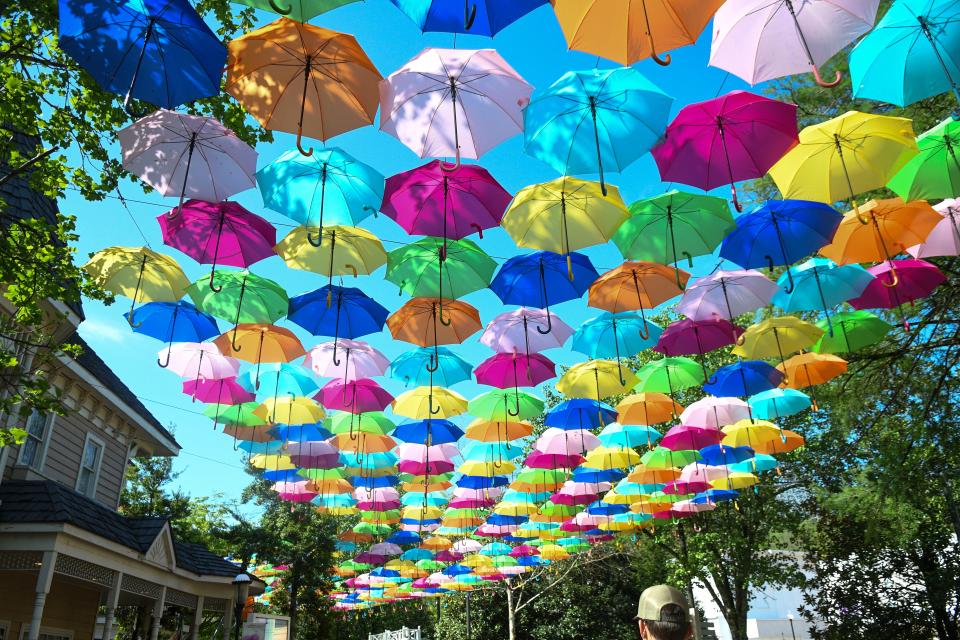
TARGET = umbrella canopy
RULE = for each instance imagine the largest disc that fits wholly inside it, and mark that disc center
(944, 240)
(897, 282)
(356, 396)
(321, 83)
(506, 405)
(429, 402)
(498, 430)
(726, 295)
(159, 51)
(647, 408)
(428, 432)
(935, 171)
(513, 331)
(453, 102)
(337, 311)
(615, 335)
(913, 53)
(596, 379)
(776, 337)
(260, 343)
(290, 411)
(505, 370)
(743, 378)
(852, 331)
(172, 322)
(808, 369)
(332, 251)
(419, 366)
(299, 10)
(881, 229)
(188, 156)
(200, 361)
(225, 391)
(438, 268)
(428, 322)
(360, 360)
(786, 37)
(139, 273)
(819, 284)
(240, 297)
(543, 278)
(635, 285)
(778, 403)
(632, 31)
(579, 413)
(668, 375)
(483, 18)
(589, 121)
(734, 137)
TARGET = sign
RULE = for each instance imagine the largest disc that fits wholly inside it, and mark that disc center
(399, 634)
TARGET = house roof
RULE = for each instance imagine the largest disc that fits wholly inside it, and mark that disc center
(45, 501)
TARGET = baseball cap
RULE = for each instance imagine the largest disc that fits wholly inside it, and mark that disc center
(654, 599)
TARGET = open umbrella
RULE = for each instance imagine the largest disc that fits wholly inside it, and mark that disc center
(159, 51)
(299, 10)
(588, 120)
(597, 379)
(172, 322)
(726, 295)
(225, 391)
(350, 314)
(631, 31)
(935, 171)
(438, 268)
(281, 377)
(944, 239)
(669, 375)
(504, 405)
(760, 40)
(778, 403)
(857, 330)
(810, 369)
(414, 367)
(474, 17)
(615, 335)
(505, 370)
(199, 361)
(429, 402)
(635, 286)
(819, 284)
(429, 322)
(453, 102)
(647, 408)
(673, 226)
(744, 378)
(697, 337)
(190, 156)
(240, 297)
(776, 337)
(355, 396)
(897, 282)
(735, 137)
(913, 53)
(139, 273)
(259, 343)
(714, 413)
(513, 331)
(333, 251)
(303, 79)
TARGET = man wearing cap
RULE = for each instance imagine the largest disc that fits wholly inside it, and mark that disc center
(662, 614)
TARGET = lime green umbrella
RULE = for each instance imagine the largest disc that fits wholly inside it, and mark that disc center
(370, 422)
(240, 297)
(673, 226)
(935, 171)
(372, 529)
(319, 475)
(429, 565)
(241, 415)
(553, 509)
(299, 10)
(540, 477)
(663, 458)
(852, 331)
(505, 405)
(416, 268)
(377, 516)
(668, 375)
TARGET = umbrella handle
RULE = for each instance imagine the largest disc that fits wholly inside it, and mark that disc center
(469, 15)
(213, 287)
(444, 321)
(133, 325)
(284, 11)
(166, 364)
(894, 279)
(823, 83)
(549, 328)
(233, 340)
(645, 332)
(356, 272)
(319, 242)
(736, 202)
(741, 339)
(304, 152)
(478, 228)
(434, 362)
(372, 210)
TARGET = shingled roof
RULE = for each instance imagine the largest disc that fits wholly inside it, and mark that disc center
(23, 501)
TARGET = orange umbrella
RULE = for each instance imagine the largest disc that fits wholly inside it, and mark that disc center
(636, 285)
(260, 343)
(630, 30)
(260, 433)
(788, 441)
(809, 369)
(299, 78)
(498, 430)
(421, 322)
(648, 408)
(364, 443)
(643, 475)
(353, 536)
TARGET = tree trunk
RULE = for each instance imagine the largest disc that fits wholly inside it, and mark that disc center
(936, 595)
(511, 614)
(292, 609)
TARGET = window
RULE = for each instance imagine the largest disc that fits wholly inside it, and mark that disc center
(90, 465)
(47, 633)
(4, 629)
(34, 447)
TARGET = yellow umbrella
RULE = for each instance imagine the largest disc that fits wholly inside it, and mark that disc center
(331, 486)
(364, 443)
(596, 379)
(339, 251)
(611, 458)
(291, 410)
(419, 487)
(273, 462)
(139, 273)
(553, 552)
(421, 513)
(486, 468)
(429, 402)
(736, 480)
(613, 497)
(749, 433)
(642, 475)
(564, 215)
(437, 543)
(476, 560)
(776, 337)
(628, 31)
(515, 509)
(844, 157)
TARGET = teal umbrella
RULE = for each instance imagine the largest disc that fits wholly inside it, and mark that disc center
(425, 366)
(935, 171)
(819, 284)
(615, 335)
(778, 403)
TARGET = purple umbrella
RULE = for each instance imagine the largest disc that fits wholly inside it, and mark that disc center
(314, 455)
(513, 331)
(697, 337)
(221, 232)
(735, 137)
(897, 282)
(726, 295)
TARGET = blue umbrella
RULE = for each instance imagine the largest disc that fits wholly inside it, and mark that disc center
(490, 451)
(512, 495)
(286, 379)
(605, 509)
(744, 378)
(820, 284)
(416, 554)
(628, 435)
(420, 499)
(778, 403)
(780, 232)
(717, 454)
(339, 312)
(371, 460)
(300, 433)
(498, 519)
(282, 475)
(374, 483)
(580, 413)
(911, 54)
(436, 431)
(540, 279)
(457, 570)
(447, 367)
(593, 476)
(588, 119)
(403, 538)
(615, 335)
(274, 446)
(172, 322)
(476, 17)
(760, 462)
(159, 51)
(715, 495)
(482, 482)
(383, 572)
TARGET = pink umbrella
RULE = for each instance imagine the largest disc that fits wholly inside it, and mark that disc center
(383, 494)
(313, 455)
(453, 102)
(540, 460)
(726, 295)
(697, 337)
(425, 468)
(560, 442)
(515, 331)
(294, 491)
(422, 453)
(684, 437)
(420, 528)
(688, 506)
(225, 391)
(218, 232)
(357, 396)
(496, 530)
(735, 137)
(466, 546)
(523, 550)
(714, 413)
(897, 282)
(200, 361)
(434, 200)
(506, 370)
(386, 505)
(944, 240)
(358, 360)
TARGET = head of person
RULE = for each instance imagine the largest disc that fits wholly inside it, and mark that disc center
(662, 614)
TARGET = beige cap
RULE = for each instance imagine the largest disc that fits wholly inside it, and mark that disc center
(653, 599)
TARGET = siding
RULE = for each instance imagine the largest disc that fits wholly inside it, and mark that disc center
(70, 604)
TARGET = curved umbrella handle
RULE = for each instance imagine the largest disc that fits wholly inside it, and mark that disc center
(432, 410)
(770, 265)
(823, 83)
(513, 412)
(133, 325)
(741, 339)
(167, 364)
(645, 332)
(353, 269)
(284, 11)
(469, 15)
(736, 201)
(676, 274)
(372, 210)
(689, 258)
(478, 228)
(569, 267)
(334, 358)
(304, 152)
(549, 328)
(213, 287)
(444, 321)
(319, 242)
(894, 278)
(434, 362)
(663, 62)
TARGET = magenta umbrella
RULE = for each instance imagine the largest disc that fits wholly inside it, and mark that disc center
(226, 391)
(514, 331)
(726, 295)
(697, 337)
(541, 460)
(356, 396)
(434, 200)
(684, 437)
(506, 370)
(897, 282)
(735, 137)
(360, 360)
(218, 232)
(294, 491)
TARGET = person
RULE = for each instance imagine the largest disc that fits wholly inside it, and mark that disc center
(662, 614)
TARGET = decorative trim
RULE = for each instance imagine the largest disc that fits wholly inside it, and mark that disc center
(83, 570)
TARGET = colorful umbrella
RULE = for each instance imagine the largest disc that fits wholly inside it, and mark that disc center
(726, 295)
(625, 435)
(615, 335)
(944, 240)
(481, 18)
(597, 379)
(810, 369)
(631, 31)
(897, 282)
(429, 322)
(453, 102)
(858, 329)
(429, 402)
(647, 408)
(543, 278)
(337, 311)
(200, 361)
(775, 337)
(511, 331)
(356, 396)
(285, 379)
(697, 337)
(421, 365)
(588, 119)
(497, 405)
(300, 79)
(635, 286)
(259, 343)
(360, 360)
(819, 284)
(290, 411)
(744, 378)
(172, 322)
(299, 10)
(225, 391)
(735, 137)
(505, 370)
(778, 403)
(935, 171)
(240, 297)
(337, 251)
(579, 413)
(438, 268)
(668, 375)
(139, 273)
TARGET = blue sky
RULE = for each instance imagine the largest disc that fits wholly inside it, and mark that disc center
(535, 47)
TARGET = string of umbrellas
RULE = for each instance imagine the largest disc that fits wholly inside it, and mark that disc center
(451, 493)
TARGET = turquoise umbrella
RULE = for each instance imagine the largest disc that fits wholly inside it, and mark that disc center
(615, 335)
(279, 379)
(411, 367)
(588, 120)
(820, 284)
(628, 435)
(913, 53)
(778, 403)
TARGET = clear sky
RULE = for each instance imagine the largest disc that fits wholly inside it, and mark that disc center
(535, 47)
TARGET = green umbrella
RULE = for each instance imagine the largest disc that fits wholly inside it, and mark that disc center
(299, 10)
(853, 330)
(663, 458)
(242, 298)
(389, 514)
(660, 496)
(673, 226)
(372, 529)
(554, 509)
(318, 475)
(240, 415)
(429, 565)
(370, 422)
(668, 375)
(505, 405)
(416, 268)
(541, 476)
(935, 171)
